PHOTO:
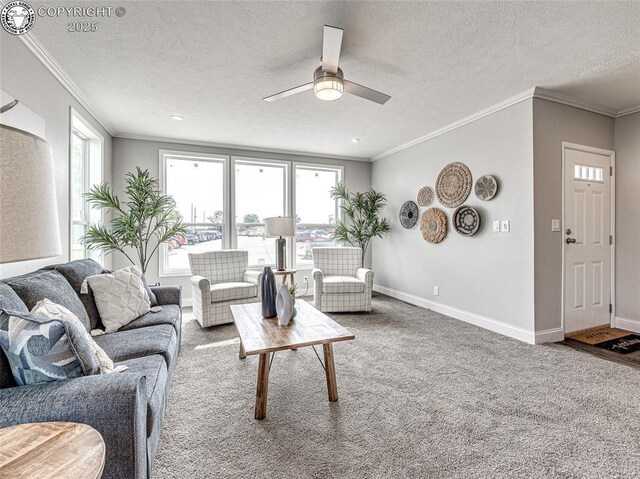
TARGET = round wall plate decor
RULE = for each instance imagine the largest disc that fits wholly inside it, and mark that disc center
(433, 225)
(453, 184)
(466, 220)
(409, 214)
(425, 196)
(486, 187)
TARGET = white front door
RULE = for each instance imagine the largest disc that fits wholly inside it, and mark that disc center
(587, 237)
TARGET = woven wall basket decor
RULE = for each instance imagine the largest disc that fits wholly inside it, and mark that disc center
(425, 196)
(433, 225)
(486, 187)
(453, 184)
(409, 214)
(466, 220)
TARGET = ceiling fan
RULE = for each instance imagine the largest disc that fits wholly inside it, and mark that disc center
(328, 80)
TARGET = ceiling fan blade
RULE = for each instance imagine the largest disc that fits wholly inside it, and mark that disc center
(366, 93)
(292, 91)
(331, 45)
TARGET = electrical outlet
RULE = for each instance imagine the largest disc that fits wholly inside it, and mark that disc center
(555, 225)
(496, 226)
(505, 226)
(436, 291)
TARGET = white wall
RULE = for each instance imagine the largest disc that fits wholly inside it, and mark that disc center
(127, 154)
(488, 278)
(554, 123)
(627, 146)
(25, 78)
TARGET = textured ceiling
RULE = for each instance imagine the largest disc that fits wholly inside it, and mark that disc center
(212, 62)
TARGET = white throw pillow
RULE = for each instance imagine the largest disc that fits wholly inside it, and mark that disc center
(48, 309)
(120, 297)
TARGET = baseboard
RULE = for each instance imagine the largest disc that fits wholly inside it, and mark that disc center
(632, 325)
(472, 318)
(549, 336)
(187, 302)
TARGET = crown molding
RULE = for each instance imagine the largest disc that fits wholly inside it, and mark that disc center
(574, 102)
(525, 95)
(536, 92)
(245, 148)
(628, 111)
(41, 53)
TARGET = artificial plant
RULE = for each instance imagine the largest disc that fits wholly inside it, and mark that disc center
(363, 215)
(143, 222)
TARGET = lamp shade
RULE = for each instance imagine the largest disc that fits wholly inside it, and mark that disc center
(279, 226)
(28, 208)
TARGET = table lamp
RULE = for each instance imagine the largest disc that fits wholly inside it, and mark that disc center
(28, 207)
(280, 227)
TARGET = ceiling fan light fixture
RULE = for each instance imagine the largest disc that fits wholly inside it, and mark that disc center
(328, 86)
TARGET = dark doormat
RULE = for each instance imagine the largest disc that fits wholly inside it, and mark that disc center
(624, 345)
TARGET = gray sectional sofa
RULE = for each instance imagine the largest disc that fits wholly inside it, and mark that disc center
(126, 408)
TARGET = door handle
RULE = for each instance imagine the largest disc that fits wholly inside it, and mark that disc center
(570, 240)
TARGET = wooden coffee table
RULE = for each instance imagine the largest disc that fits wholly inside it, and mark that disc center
(46, 450)
(265, 336)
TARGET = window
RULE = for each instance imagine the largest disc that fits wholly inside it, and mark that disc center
(260, 192)
(316, 212)
(86, 146)
(223, 202)
(197, 185)
(588, 173)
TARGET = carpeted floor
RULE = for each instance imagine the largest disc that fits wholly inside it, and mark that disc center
(421, 395)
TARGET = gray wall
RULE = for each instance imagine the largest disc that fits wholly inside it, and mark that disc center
(24, 77)
(627, 146)
(554, 123)
(489, 274)
(127, 154)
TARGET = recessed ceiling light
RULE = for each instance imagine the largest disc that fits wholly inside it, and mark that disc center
(177, 117)
(355, 140)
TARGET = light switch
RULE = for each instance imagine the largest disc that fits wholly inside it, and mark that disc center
(555, 225)
(505, 226)
(496, 226)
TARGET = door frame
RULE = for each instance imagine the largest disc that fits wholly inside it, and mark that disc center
(612, 158)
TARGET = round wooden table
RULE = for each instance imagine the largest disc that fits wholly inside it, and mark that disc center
(284, 273)
(47, 450)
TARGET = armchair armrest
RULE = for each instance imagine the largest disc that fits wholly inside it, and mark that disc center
(317, 274)
(201, 291)
(365, 274)
(113, 404)
(252, 276)
(201, 283)
(168, 294)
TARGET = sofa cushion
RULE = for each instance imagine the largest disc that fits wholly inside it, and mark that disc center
(120, 297)
(228, 291)
(342, 284)
(42, 349)
(137, 343)
(10, 301)
(75, 272)
(38, 285)
(155, 371)
(170, 314)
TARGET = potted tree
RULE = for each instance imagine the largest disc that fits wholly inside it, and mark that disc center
(143, 222)
(363, 214)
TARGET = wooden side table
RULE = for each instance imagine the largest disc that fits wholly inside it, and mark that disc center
(48, 450)
(286, 273)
